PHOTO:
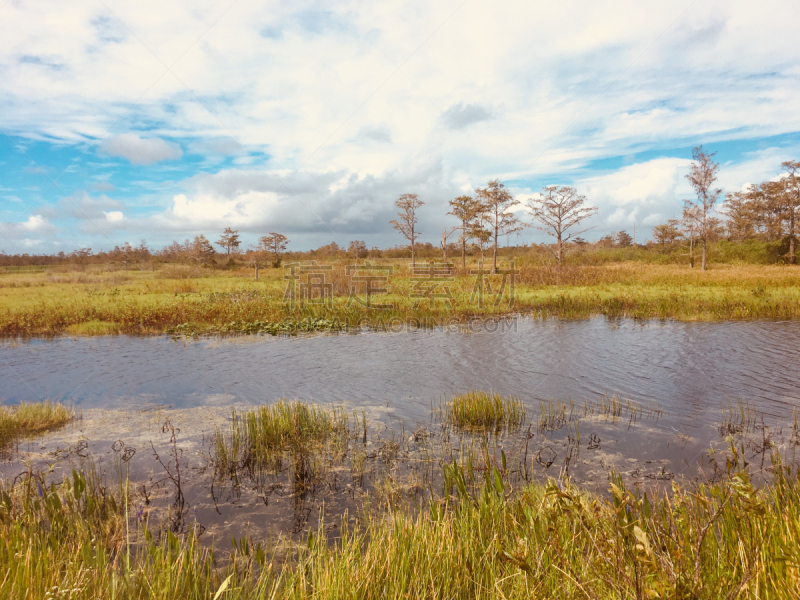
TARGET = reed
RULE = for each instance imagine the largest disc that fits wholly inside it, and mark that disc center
(730, 539)
(259, 438)
(28, 418)
(481, 410)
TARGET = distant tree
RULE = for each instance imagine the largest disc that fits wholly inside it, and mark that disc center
(667, 233)
(358, 249)
(407, 223)
(623, 239)
(332, 249)
(702, 175)
(791, 203)
(446, 233)
(124, 254)
(274, 244)
(200, 250)
(690, 224)
(558, 210)
(81, 256)
(743, 214)
(496, 202)
(229, 240)
(579, 241)
(466, 210)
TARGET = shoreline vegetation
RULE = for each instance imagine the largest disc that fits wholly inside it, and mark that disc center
(477, 535)
(190, 300)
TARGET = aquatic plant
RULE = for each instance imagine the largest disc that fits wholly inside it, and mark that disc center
(478, 409)
(28, 418)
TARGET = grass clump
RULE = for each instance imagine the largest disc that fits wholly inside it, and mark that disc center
(479, 410)
(32, 417)
(260, 437)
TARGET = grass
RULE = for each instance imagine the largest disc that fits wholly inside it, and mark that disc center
(259, 438)
(477, 539)
(480, 410)
(184, 301)
(29, 418)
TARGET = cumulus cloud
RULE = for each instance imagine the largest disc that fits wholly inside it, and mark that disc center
(462, 115)
(141, 151)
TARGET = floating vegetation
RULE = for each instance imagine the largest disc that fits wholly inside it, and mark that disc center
(28, 418)
(483, 410)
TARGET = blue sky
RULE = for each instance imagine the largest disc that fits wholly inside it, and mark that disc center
(122, 122)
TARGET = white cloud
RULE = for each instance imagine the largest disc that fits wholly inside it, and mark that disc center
(141, 151)
(114, 216)
(35, 223)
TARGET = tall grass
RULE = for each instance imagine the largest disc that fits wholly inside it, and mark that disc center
(260, 437)
(479, 410)
(479, 540)
(150, 303)
(31, 417)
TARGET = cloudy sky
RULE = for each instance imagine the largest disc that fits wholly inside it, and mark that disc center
(162, 120)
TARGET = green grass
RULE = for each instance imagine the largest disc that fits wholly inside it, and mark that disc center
(259, 438)
(179, 300)
(480, 410)
(479, 539)
(31, 417)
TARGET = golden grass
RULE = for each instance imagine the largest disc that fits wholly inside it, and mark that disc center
(480, 410)
(95, 302)
(32, 417)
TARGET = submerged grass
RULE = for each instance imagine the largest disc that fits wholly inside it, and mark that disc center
(480, 539)
(479, 410)
(31, 417)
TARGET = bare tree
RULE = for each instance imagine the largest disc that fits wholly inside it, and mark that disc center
(559, 210)
(691, 228)
(446, 233)
(702, 175)
(229, 240)
(497, 201)
(408, 205)
(465, 209)
(791, 202)
(274, 243)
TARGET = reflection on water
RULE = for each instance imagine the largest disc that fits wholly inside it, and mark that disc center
(689, 369)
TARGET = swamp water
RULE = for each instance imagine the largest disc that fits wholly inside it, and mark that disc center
(655, 401)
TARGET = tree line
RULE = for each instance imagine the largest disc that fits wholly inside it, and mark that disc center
(767, 211)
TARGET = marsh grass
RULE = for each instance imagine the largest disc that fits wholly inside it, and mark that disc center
(183, 301)
(477, 409)
(264, 437)
(28, 418)
(480, 539)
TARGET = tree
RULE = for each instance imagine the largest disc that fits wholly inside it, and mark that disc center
(702, 175)
(446, 233)
(408, 205)
(690, 224)
(496, 202)
(791, 202)
(623, 239)
(743, 214)
(667, 233)
(559, 210)
(465, 209)
(274, 243)
(124, 254)
(201, 250)
(229, 240)
(358, 249)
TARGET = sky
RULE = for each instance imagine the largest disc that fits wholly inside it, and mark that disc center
(160, 121)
